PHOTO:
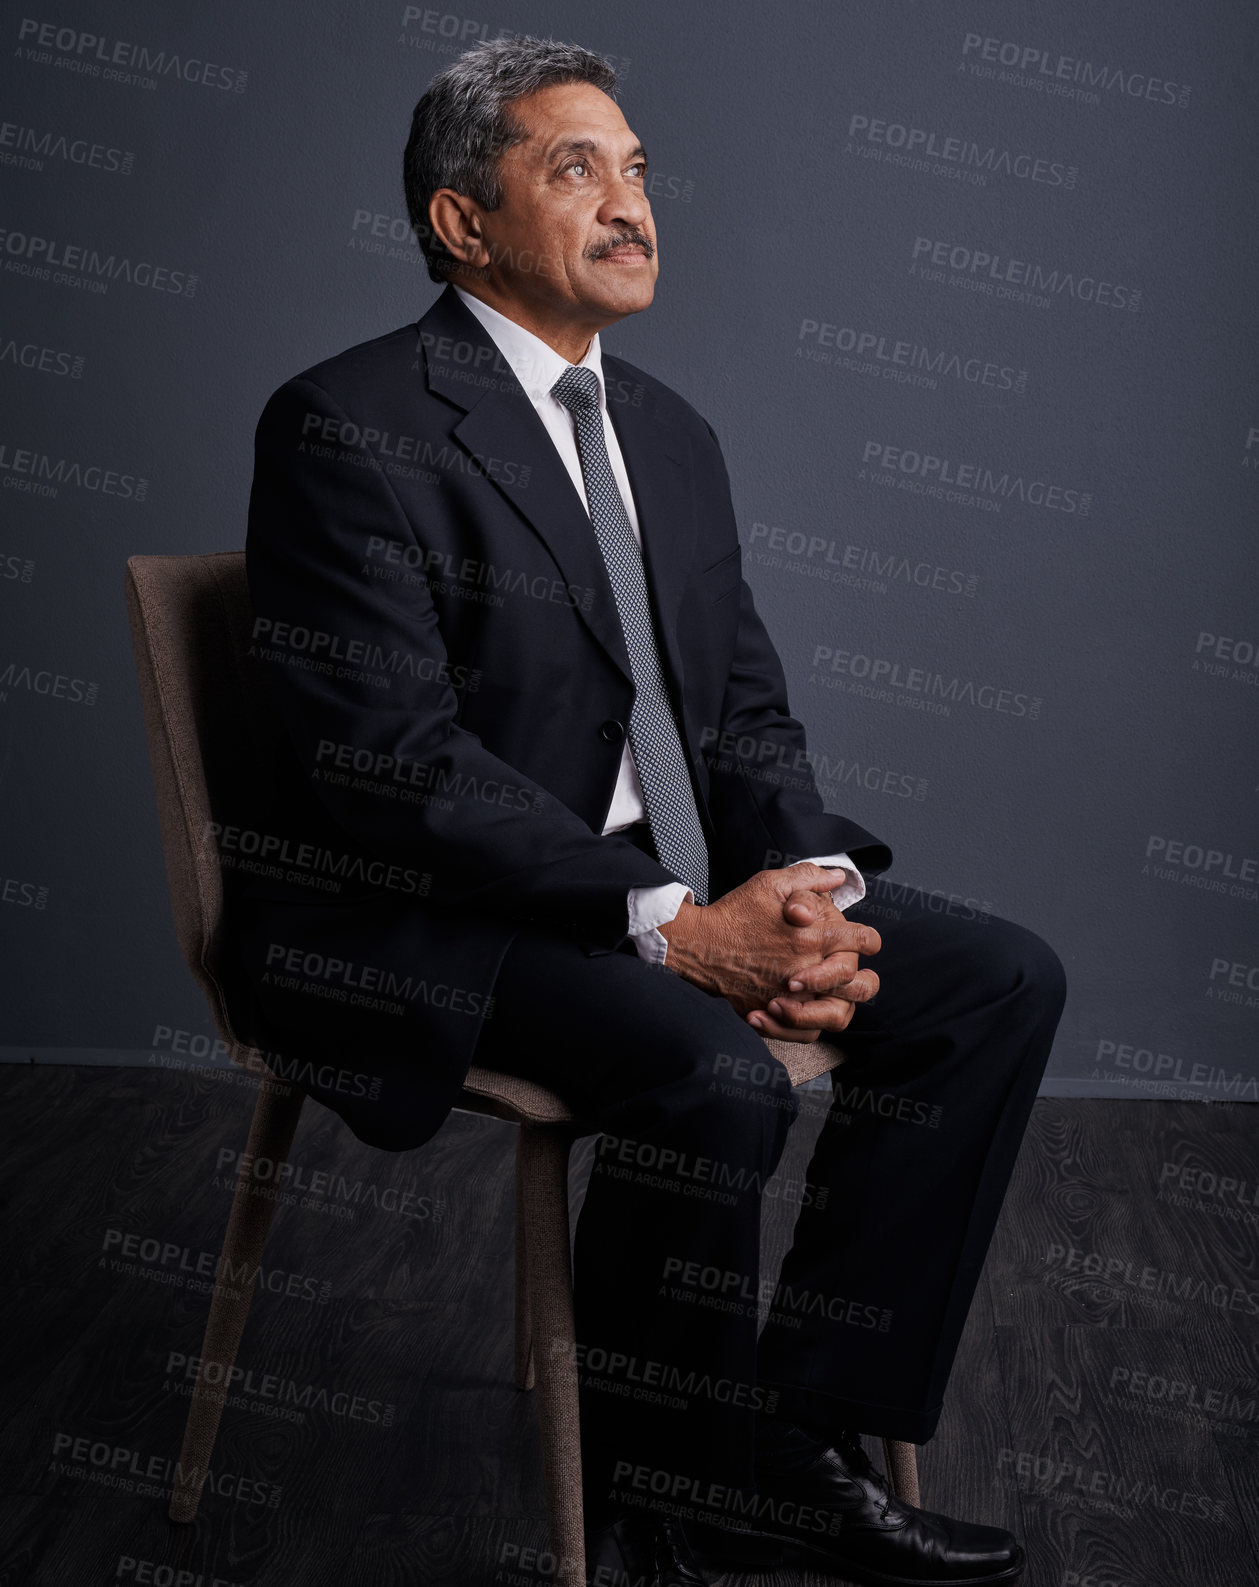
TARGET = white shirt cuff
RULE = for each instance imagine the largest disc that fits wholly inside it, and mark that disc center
(653, 907)
(649, 909)
(853, 889)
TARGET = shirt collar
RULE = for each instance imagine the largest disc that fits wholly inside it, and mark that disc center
(535, 364)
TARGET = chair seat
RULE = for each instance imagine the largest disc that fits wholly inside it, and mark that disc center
(805, 1061)
(503, 1096)
(511, 1098)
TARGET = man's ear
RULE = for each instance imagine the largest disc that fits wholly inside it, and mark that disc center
(456, 221)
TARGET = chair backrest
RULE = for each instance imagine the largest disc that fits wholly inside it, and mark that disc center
(190, 624)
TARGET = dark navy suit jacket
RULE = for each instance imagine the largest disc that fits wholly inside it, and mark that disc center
(443, 689)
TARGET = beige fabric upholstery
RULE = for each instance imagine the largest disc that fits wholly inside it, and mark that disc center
(190, 621)
(805, 1061)
(507, 1097)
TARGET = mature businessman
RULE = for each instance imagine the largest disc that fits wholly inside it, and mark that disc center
(543, 801)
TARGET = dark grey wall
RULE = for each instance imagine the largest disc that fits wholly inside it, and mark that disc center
(965, 290)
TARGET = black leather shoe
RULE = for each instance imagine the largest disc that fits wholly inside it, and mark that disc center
(837, 1513)
(642, 1551)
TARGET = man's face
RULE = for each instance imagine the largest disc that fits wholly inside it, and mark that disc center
(573, 239)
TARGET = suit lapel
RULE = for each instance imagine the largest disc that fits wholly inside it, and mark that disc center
(503, 433)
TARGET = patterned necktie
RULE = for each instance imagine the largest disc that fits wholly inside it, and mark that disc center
(655, 742)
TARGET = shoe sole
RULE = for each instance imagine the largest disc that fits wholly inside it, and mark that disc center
(761, 1550)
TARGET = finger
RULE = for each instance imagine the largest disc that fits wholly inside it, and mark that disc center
(802, 908)
(765, 1025)
(808, 878)
(850, 936)
(835, 971)
(829, 940)
(823, 1013)
(861, 989)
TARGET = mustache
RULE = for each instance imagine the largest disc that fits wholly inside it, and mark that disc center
(629, 238)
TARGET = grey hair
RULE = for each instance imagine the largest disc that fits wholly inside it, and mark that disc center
(463, 124)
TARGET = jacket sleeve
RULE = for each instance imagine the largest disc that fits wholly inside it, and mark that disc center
(763, 796)
(391, 764)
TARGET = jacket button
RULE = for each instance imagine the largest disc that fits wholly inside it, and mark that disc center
(612, 732)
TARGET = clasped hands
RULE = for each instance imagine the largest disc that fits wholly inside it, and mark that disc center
(778, 950)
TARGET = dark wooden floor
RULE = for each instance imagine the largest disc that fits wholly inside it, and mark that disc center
(1105, 1403)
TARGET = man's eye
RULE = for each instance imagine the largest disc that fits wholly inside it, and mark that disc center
(639, 166)
(579, 166)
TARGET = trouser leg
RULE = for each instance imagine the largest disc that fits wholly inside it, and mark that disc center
(666, 1249)
(912, 1163)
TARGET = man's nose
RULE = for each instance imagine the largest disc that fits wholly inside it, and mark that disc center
(625, 203)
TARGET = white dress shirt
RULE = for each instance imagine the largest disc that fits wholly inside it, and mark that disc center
(537, 366)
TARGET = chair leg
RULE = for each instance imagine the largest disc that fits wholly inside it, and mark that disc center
(523, 1374)
(902, 1470)
(542, 1170)
(270, 1135)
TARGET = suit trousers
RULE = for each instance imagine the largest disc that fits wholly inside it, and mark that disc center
(923, 1125)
